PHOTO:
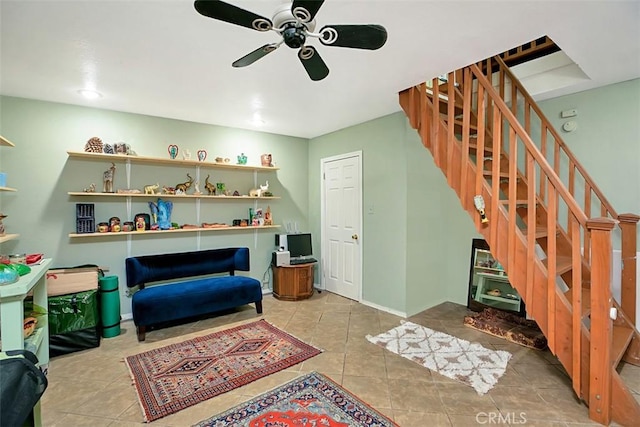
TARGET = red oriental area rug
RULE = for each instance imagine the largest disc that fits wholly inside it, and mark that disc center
(171, 378)
(310, 400)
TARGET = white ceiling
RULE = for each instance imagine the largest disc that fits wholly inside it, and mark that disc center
(162, 58)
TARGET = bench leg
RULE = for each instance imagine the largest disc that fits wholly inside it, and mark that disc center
(141, 332)
(259, 307)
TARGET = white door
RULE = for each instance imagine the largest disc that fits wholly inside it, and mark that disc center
(341, 225)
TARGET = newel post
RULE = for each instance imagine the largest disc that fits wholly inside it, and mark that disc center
(628, 227)
(601, 324)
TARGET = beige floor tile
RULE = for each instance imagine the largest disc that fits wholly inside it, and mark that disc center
(93, 387)
(420, 419)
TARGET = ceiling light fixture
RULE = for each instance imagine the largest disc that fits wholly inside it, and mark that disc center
(90, 94)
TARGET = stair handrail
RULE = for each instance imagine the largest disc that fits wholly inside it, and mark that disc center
(558, 140)
(553, 178)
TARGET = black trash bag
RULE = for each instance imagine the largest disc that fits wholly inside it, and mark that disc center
(22, 383)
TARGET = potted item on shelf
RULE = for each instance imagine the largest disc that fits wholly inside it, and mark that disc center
(103, 227)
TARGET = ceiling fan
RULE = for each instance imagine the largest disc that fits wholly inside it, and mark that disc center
(295, 23)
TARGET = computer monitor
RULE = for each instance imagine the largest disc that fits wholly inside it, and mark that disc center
(299, 245)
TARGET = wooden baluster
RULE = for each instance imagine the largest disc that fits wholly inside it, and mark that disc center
(628, 227)
(531, 230)
(480, 149)
(495, 175)
(556, 157)
(451, 134)
(587, 213)
(552, 260)
(572, 178)
(435, 120)
(576, 304)
(513, 196)
(543, 149)
(466, 131)
(601, 325)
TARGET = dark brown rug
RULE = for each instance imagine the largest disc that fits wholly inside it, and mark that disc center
(509, 326)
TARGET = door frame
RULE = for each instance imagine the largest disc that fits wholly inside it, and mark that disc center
(323, 161)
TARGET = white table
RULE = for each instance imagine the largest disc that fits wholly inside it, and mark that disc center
(12, 316)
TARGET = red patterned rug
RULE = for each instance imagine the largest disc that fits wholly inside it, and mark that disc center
(310, 400)
(171, 378)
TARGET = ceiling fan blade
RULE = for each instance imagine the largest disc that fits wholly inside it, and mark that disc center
(226, 12)
(305, 10)
(252, 57)
(313, 63)
(367, 36)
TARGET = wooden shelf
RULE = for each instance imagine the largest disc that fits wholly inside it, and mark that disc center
(5, 142)
(170, 196)
(164, 161)
(8, 237)
(180, 230)
(7, 189)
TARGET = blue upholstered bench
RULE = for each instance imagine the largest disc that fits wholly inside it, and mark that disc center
(192, 285)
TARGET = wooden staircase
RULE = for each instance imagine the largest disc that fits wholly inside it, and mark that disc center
(549, 225)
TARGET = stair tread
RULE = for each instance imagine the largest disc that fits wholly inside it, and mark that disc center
(541, 231)
(563, 264)
(586, 299)
(622, 335)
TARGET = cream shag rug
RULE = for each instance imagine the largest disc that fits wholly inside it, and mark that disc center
(469, 363)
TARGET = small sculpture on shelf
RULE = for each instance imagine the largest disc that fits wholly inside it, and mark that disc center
(242, 159)
(202, 155)
(114, 224)
(184, 186)
(210, 187)
(2, 216)
(151, 189)
(266, 160)
(186, 155)
(168, 190)
(90, 189)
(267, 216)
(93, 145)
(173, 151)
(108, 149)
(164, 214)
(107, 179)
(153, 208)
(221, 189)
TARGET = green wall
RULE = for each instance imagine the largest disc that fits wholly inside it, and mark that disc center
(44, 214)
(416, 238)
(607, 140)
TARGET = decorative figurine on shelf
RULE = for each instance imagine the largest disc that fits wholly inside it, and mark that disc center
(107, 179)
(2, 216)
(242, 159)
(108, 149)
(122, 149)
(202, 155)
(183, 187)
(267, 216)
(164, 214)
(153, 208)
(168, 190)
(236, 193)
(196, 189)
(221, 189)
(173, 151)
(94, 145)
(114, 224)
(140, 224)
(151, 189)
(186, 155)
(266, 160)
(90, 189)
(211, 189)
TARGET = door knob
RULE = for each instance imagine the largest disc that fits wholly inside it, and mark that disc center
(354, 237)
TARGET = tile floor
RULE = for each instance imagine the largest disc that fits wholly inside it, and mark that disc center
(93, 388)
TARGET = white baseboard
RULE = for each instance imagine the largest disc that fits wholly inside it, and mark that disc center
(385, 309)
